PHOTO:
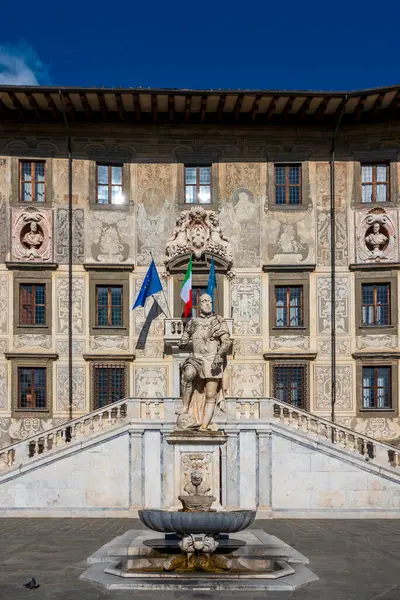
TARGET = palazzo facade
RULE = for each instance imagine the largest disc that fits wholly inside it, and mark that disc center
(130, 167)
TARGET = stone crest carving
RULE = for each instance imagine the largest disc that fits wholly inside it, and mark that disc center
(376, 236)
(31, 234)
(198, 231)
(246, 305)
(151, 382)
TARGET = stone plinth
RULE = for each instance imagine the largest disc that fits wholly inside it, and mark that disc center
(193, 449)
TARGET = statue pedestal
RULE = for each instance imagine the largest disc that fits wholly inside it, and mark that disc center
(197, 450)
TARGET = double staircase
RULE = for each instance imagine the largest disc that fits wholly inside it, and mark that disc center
(117, 459)
(160, 411)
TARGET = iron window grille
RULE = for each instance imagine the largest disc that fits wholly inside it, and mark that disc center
(376, 304)
(109, 184)
(290, 384)
(375, 183)
(289, 306)
(288, 184)
(109, 384)
(32, 388)
(32, 181)
(109, 306)
(376, 387)
(32, 304)
(197, 185)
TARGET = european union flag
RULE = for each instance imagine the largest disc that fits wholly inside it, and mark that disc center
(151, 285)
(212, 281)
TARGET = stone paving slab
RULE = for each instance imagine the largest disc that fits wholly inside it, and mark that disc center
(354, 559)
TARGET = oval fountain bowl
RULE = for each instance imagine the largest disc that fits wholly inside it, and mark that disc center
(166, 521)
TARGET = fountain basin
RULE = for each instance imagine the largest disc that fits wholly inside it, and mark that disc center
(183, 523)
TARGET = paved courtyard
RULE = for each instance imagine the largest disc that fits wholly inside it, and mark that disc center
(354, 559)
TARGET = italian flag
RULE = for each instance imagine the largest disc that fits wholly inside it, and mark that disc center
(186, 291)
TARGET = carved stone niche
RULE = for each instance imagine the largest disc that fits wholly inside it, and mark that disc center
(31, 234)
(376, 237)
(198, 232)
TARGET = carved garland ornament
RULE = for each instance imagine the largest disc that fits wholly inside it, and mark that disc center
(198, 231)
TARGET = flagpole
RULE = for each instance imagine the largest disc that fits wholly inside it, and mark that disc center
(165, 296)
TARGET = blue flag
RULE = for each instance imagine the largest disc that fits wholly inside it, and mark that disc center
(212, 281)
(151, 285)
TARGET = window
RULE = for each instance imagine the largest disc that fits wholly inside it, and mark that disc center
(109, 184)
(287, 184)
(375, 183)
(289, 306)
(289, 383)
(376, 387)
(31, 387)
(109, 384)
(376, 304)
(197, 185)
(32, 181)
(32, 304)
(109, 306)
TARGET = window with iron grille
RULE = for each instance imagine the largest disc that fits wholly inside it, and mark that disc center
(375, 183)
(32, 304)
(290, 384)
(288, 306)
(109, 305)
(198, 185)
(32, 387)
(287, 184)
(376, 304)
(32, 184)
(109, 184)
(376, 391)
(109, 384)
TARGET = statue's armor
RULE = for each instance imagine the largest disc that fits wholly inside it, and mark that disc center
(205, 333)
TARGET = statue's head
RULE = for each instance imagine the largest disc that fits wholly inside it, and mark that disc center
(376, 227)
(34, 226)
(196, 477)
(205, 303)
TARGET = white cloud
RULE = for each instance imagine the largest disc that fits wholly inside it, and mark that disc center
(20, 65)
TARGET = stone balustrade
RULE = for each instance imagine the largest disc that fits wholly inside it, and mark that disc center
(162, 411)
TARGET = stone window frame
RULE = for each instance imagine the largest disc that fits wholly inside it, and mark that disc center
(280, 160)
(292, 361)
(109, 278)
(185, 159)
(116, 160)
(201, 280)
(382, 276)
(15, 180)
(290, 280)
(388, 156)
(36, 360)
(377, 361)
(35, 277)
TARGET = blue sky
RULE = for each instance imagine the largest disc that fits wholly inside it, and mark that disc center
(117, 45)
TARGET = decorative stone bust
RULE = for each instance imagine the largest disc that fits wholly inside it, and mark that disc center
(33, 239)
(376, 239)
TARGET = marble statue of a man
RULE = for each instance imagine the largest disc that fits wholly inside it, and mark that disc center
(202, 373)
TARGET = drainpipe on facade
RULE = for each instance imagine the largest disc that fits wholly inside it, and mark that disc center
(333, 266)
(70, 390)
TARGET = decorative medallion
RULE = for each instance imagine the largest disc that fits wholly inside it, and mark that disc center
(376, 236)
(31, 237)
